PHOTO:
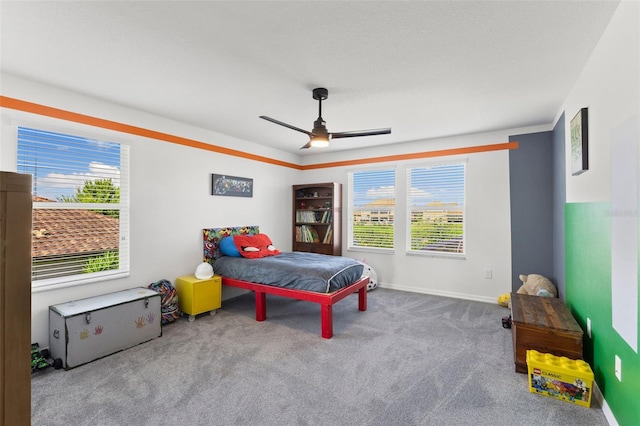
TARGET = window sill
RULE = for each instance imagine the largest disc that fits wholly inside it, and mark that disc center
(66, 282)
(457, 256)
(372, 250)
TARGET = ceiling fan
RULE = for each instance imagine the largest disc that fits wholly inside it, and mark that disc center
(320, 136)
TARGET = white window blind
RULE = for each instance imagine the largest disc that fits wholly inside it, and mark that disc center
(371, 208)
(436, 208)
(80, 206)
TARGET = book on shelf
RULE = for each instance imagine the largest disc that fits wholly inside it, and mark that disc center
(307, 234)
(326, 217)
(327, 235)
(313, 216)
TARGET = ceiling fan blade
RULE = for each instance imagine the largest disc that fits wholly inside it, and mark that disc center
(273, 120)
(355, 133)
(308, 145)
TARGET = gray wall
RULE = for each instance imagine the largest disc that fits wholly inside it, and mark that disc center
(531, 171)
(559, 200)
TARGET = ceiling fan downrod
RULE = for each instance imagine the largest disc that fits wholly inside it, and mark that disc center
(319, 126)
(320, 94)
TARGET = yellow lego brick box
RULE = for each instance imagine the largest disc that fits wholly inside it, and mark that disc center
(560, 377)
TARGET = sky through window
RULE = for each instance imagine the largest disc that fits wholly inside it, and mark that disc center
(60, 163)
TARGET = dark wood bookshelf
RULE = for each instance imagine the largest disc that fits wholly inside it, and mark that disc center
(317, 211)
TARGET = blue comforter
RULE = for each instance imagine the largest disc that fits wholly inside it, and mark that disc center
(297, 270)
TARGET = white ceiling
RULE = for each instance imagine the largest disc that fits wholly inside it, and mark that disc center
(424, 68)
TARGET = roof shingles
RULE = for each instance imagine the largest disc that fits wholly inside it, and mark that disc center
(63, 232)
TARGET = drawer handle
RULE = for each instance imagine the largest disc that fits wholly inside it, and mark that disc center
(56, 334)
(146, 303)
(88, 318)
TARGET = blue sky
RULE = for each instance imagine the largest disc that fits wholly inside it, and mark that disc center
(373, 185)
(444, 183)
(61, 163)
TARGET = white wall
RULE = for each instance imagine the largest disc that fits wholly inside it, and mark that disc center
(609, 86)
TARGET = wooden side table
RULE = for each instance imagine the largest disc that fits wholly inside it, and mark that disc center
(196, 296)
(544, 324)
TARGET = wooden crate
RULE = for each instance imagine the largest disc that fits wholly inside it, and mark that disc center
(543, 324)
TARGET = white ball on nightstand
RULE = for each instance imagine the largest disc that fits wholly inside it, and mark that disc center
(204, 271)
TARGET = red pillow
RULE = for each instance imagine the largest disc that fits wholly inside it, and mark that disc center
(255, 246)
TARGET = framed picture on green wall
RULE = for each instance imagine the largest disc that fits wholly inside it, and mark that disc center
(579, 143)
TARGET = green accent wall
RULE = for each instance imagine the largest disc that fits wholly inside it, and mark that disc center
(588, 295)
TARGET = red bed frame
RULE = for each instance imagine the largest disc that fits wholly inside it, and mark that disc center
(326, 300)
(211, 240)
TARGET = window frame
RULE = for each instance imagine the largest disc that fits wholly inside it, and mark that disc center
(409, 211)
(123, 206)
(351, 210)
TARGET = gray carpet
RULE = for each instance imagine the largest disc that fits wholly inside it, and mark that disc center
(410, 359)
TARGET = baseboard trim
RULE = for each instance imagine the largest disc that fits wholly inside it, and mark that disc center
(597, 394)
(454, 295)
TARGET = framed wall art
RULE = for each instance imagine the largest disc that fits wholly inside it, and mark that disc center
(231, 186)
(579, 130)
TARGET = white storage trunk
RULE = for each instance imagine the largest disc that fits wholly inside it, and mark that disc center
(85, 330)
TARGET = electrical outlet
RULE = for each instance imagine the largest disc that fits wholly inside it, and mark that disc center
(618, 370)
(488, 274)
(589, 327)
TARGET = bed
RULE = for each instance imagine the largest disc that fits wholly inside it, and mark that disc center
(324, 279)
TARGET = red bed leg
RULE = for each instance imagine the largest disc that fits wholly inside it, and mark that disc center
(326, 317)
(362, 299)
(261, 306)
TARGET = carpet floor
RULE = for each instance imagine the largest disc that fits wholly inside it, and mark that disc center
(410, 359)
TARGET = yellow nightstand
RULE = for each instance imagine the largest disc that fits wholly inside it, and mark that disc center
(197, 296)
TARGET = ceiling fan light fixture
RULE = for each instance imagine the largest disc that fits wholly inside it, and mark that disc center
(319, 142)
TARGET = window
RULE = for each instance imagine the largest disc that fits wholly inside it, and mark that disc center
(80, 206)
(436, 208)
(371, 209)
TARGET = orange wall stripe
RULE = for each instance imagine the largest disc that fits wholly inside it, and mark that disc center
(34, 108)
(125, 128)
(415, 155)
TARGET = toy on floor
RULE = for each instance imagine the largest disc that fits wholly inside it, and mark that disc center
(40, 359)
(504, 299)
(368, 271)
(506, 321)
